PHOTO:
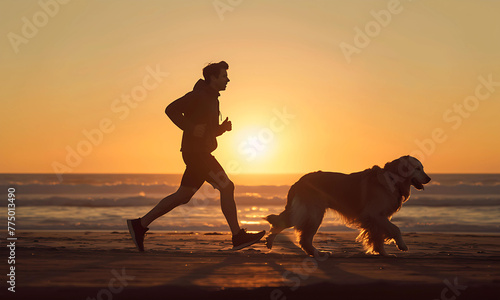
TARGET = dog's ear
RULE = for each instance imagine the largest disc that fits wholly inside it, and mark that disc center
(415, 162)
(392, 166)
(388, 176)
(402, 167)
(405, 167)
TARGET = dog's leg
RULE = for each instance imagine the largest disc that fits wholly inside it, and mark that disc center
(381, 230)
(394, 232)
(377, 240)
(272, 235)
(306, 232)
(378, 245)
(278, 224)
(306, 236)
(306, 215)
(372, 235)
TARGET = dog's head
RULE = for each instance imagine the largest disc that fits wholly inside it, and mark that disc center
(417, 174)
(411, 169)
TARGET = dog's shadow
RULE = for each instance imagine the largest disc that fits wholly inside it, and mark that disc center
(284, 244)
(286, 264)
(306, 270)
(347, 262)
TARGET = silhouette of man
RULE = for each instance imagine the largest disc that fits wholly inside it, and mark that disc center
(197, 114)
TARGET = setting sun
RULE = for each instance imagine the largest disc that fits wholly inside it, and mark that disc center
(255, 144)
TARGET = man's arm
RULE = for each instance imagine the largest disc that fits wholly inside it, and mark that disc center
(175, 111)
(225, 126)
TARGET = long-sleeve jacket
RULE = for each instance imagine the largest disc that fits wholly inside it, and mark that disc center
(200, 106)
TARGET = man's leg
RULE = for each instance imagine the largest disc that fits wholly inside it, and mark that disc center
(138, 227)
(181, 196)
(241, 238)
(229, 206)
(220, 180)
(217, 177)
(190, 183)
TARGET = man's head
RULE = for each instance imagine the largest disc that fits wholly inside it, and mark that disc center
(216, 75)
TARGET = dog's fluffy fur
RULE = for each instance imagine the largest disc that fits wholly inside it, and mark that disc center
(366, 200)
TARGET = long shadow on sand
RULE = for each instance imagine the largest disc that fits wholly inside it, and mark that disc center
(290, 266)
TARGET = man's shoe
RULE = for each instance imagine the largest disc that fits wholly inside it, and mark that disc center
(137, 232)
(244, 239)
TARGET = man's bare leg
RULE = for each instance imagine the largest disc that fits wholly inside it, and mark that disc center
(241, 238)
(181, 196)
(229, 207)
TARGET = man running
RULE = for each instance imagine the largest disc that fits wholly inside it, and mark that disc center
(197, 114)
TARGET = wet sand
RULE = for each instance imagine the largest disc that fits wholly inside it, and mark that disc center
(200, 265)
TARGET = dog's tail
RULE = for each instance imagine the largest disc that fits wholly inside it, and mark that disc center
(283, 219)
(280, 221)
(273, 220)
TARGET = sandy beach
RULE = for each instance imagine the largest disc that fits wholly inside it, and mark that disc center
(194, 265)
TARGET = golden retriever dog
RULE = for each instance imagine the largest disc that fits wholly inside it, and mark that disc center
(365, 200)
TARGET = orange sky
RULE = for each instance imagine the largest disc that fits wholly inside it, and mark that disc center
(314, 84)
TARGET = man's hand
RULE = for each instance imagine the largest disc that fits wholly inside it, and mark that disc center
(199, 130)
(226, 125)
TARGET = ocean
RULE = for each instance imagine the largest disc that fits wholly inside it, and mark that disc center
(449, 203)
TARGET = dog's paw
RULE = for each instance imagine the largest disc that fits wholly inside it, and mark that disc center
(321, 254)
(402, 247)
(269, 242)
(382, 254)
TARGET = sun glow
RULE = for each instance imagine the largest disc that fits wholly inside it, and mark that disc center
(251, 149)
(254, 143)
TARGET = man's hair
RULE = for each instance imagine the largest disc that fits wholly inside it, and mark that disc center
(214, 69)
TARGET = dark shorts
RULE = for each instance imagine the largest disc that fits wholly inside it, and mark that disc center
(201, 167)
